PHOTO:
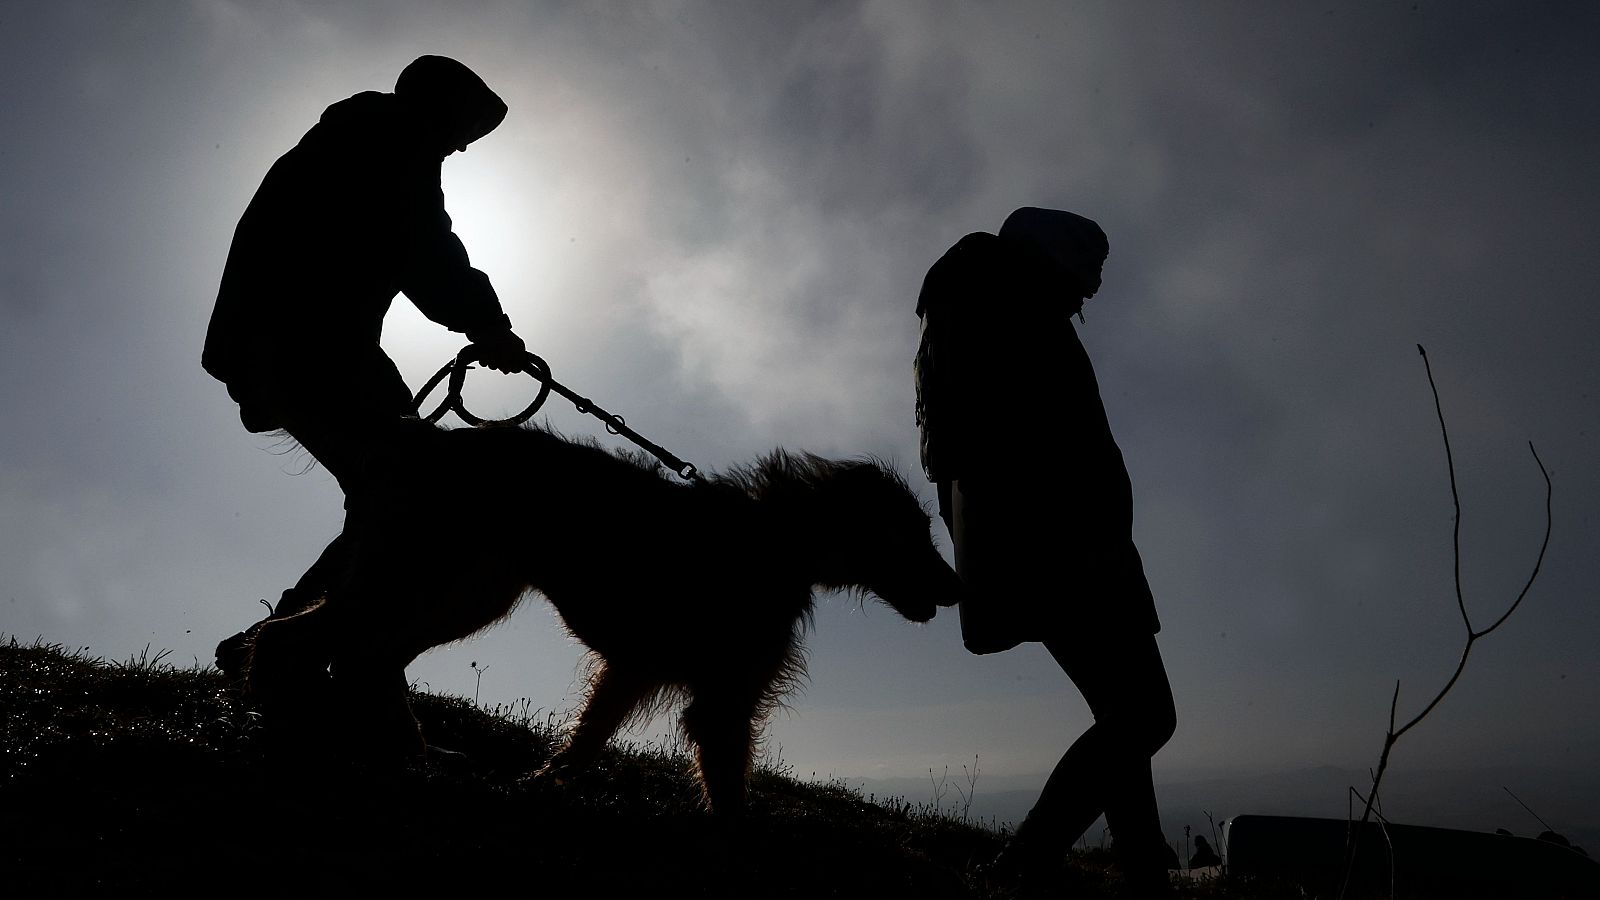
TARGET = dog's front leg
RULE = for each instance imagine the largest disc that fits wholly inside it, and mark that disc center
(614, 694)
(722, 728)
(369, 678)
(378, 723)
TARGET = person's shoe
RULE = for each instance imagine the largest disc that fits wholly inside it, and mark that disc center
(294, 601)
(233, 653)
(1148, 886)
(1021, 867)
(1148, 874)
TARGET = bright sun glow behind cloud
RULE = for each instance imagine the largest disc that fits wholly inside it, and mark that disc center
(498, 219)
(495, 216)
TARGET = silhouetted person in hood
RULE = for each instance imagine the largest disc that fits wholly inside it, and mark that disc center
(349, 217)
(1036, 496)
(1203, 854)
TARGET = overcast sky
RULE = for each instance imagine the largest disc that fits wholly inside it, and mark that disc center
(714, 219)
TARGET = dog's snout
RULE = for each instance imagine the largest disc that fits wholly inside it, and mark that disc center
(951, 590)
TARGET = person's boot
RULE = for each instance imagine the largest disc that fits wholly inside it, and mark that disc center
(1146, 869)
(233, 652)
(1029, 864)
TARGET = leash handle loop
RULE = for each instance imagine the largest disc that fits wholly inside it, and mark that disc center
(456, 369)
(456, 372)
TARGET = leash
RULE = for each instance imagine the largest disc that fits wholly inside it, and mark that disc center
(456, 370)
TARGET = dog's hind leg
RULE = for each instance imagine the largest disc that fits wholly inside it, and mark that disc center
(614, 694)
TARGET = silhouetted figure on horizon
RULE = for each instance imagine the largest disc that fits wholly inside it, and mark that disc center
(1043, 536)
(350, 216)
(1203, 854)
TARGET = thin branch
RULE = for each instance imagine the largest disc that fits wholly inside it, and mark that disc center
(1461, 666)
(1455, 496)
(1394, 734)
(1548, 519)
(1394, 702)
(1528, 808)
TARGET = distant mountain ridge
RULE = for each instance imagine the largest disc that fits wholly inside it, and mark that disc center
(1471, 799)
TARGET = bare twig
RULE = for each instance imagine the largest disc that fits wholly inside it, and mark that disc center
(479, 685)
(1473, 636)
(1528, 808)
(941, 786)
(972, 788)
(1222, 846)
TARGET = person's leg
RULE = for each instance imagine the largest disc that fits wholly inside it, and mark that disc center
(1124, 681)
(340, 452)
(340, 417)
(1107, 769)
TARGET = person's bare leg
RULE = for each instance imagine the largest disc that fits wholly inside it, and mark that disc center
(1125, 683)
(1107, 769)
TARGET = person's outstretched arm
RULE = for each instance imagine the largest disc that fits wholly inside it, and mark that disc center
(438, 277)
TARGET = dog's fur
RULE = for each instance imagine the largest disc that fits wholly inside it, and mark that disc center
(695, 592)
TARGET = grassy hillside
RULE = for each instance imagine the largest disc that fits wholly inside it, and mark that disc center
(139, 778)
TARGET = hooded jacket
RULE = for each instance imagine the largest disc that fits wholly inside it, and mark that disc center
(1008, 404)
(999, 367)
(346, 219)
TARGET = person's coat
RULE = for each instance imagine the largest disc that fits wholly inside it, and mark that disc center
(1009, 411)
(346, 219)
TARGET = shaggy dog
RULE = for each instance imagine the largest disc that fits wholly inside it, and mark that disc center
(682, 592)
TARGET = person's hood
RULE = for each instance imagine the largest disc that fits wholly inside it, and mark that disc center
(451, 98)
(1073, 242)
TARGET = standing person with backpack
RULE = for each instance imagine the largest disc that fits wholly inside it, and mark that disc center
(342, 222)
(1039, 506)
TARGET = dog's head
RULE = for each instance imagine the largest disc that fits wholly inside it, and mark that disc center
(880, 540)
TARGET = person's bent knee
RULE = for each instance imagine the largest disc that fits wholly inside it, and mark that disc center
(1159, 714)
(1141, 733)
(1158, 720)
(1162, 726)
